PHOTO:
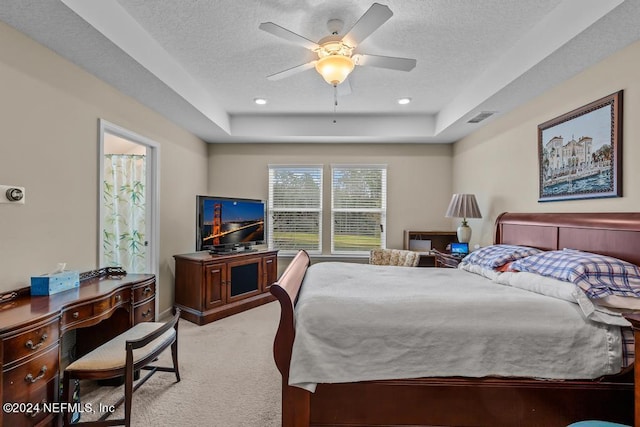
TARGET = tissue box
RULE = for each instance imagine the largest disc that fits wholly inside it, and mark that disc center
(53, 283)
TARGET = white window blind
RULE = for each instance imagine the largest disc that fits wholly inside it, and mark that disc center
(358, 208)
(295, 208)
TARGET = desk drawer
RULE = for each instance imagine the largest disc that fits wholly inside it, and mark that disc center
(88, 311)
(39, 395)
(141, 293)
(77, 314)
(145, 312)
(106, 304)
(23, 380)
(30, 342)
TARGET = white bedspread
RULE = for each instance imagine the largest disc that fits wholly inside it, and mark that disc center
(357, 322)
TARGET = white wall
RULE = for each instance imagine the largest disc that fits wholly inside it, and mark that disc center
(49, 111)
(418, 178)
(499, 163)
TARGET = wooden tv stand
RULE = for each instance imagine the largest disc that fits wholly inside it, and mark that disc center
(209, 287)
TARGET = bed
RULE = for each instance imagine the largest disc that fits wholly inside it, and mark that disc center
(461, 400)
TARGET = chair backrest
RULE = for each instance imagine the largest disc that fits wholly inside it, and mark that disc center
(394, 257)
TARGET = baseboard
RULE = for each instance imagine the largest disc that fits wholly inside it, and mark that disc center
(165, 315)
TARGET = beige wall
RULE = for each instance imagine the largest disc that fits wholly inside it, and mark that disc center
(49, 112)
(499, 163)
(418, 177)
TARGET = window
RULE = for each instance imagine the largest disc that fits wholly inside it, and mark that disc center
(358, 208)
(295, 208)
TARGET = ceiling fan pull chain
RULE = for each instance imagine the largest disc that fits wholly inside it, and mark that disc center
(335, 101)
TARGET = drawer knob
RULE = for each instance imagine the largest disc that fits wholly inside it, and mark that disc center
(147, 290)
(146, 313)
(75, 315)
(30, 379)
(118, 297)
(31, 346)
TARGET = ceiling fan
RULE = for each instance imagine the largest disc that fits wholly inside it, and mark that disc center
(336, 57)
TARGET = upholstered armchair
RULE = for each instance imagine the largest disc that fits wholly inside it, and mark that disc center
(394, 257)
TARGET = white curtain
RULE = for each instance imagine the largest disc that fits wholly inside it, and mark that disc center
(123, 236)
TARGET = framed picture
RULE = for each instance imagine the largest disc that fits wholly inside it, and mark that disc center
(580, 152)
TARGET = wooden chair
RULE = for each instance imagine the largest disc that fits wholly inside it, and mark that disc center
(398, 257)
(123, 355)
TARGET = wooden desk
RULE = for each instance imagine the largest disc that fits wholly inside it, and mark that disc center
(31, 329)
(425, 241)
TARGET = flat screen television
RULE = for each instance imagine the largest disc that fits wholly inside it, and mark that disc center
(225, 224)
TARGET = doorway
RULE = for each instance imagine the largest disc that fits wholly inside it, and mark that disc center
(128, 206)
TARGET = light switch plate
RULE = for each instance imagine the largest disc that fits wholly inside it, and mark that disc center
(5, 199)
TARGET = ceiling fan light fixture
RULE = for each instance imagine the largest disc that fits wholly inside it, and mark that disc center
(334, 69)
(335, 52)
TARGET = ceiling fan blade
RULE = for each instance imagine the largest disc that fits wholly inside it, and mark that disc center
(283, 33)
(344, 88)
(393, 63)
(291, 71)
(373, 18)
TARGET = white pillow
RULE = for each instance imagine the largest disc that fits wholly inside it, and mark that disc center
(487, 272)
(567, 291)
(539, 284)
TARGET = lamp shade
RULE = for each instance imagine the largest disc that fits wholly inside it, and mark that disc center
(463, 206)
(334, 69)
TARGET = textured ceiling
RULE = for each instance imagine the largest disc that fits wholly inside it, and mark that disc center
(201, 63)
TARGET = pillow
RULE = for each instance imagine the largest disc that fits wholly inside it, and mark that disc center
(495, 256)
(597, 275)
(567, 291)
(539, 285)
(505, 268)
(489, 273)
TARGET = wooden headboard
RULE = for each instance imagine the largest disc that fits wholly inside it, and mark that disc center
(615, 234)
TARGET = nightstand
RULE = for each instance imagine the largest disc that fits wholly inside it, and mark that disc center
(444, 260)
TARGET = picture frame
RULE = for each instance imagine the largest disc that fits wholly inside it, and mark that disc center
(580, 152)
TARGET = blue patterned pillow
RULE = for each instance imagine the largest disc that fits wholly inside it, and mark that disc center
(495, 256)
(597, 275)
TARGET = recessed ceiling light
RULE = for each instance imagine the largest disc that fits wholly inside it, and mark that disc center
(260, 101)
(403, 101)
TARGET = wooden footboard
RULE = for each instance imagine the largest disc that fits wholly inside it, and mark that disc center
(286, 291)
(443, 401)
(295, 401)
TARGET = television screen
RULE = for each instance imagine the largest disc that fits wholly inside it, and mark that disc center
(228, 222)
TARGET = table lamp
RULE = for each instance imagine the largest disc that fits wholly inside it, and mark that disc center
(463, 206)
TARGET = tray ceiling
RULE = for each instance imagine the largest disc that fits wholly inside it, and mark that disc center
(202, 63)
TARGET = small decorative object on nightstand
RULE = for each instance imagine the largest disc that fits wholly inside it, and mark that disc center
(444, 260)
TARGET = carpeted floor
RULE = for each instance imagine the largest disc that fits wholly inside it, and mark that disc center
(228, 377)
